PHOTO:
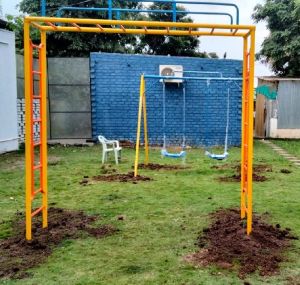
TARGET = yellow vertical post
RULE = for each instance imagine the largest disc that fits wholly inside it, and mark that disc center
(145, 125)
(43, 138)
(250, 126)
(28, 128)
(245, 67)
(138, 134)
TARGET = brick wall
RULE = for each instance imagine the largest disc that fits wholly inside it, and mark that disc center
(115, 80)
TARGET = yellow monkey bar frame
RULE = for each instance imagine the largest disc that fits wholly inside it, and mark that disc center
(49, 24)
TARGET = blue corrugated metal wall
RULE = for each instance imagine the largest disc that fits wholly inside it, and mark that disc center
(115, 80)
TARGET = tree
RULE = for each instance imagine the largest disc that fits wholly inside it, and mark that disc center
(169, 45)
(81, 44)
(75, 44)
(282, 47)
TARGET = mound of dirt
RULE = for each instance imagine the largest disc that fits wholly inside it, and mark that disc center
(107, 169)
(237, 178)
(257, 170)
(127, 144)
(18, 254)
(156, 166)
(223, 166)
(226, 245)
(285, 171)
(119, 177)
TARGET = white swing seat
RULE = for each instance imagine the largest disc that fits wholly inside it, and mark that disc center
(165, 153)
(110, 146)
(217, 156)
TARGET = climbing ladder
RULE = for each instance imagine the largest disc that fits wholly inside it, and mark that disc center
(36, 165)
(247, 137)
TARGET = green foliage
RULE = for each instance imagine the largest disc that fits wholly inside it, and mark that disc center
(76, 44)
(170, 45)
(15, 23)
(81, 44)
(282, 47)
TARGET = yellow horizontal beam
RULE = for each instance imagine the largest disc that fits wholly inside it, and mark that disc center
(139, 31)
(137, 23)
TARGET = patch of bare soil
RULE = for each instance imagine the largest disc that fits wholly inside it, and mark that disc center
(156, 166)
(285, 171)
(223, 166)
(107, 169)
(127, 144)
(226, 245)
(237, 178)
(258, 169)
(18, 254)
(119, 177)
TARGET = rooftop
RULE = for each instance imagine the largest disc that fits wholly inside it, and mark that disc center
(274, 78)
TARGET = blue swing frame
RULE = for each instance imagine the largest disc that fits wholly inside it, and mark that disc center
(164, 151)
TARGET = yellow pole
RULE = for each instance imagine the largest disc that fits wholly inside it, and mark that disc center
(250, 137)
(145, 125)
(28, 128)
(141, 31)
(136, 23)
(138, 134)
(44, 128)
(245, 65)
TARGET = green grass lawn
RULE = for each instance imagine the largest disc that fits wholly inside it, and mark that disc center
(151, 244)
(291, 146)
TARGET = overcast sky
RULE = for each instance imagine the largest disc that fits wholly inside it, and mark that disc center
(232, 46)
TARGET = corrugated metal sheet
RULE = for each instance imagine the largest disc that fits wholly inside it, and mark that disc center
(289, 105)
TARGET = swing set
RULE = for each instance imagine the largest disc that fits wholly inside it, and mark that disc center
(164, 151)
(36, 150)
(182, 153)
(225, 153)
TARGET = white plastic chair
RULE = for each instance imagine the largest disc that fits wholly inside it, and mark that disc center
(110, 146)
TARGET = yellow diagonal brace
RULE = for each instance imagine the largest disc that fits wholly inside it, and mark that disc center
(138, 134)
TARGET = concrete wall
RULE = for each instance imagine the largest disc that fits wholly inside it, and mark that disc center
(68, 98)
(115, 80)
(8, 93)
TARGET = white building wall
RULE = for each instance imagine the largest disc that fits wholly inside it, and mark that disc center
(8, 93)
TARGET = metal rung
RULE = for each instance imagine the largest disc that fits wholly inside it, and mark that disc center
(36, 72)
(36, 192)
(36, 144)
(37, 167)
(36, 120)
(37, 211)
(36, 97)
(37, 46)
